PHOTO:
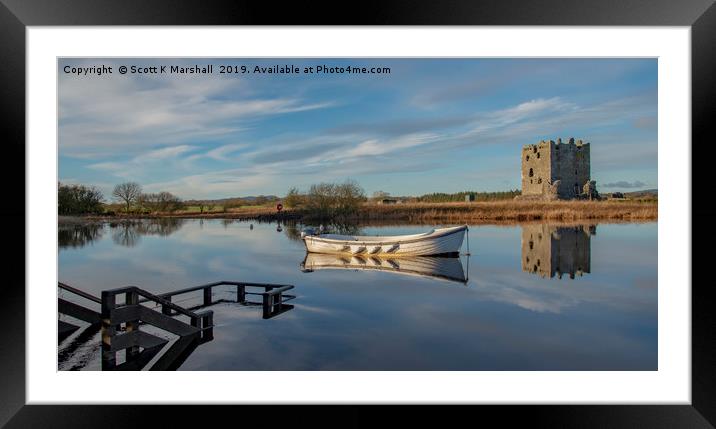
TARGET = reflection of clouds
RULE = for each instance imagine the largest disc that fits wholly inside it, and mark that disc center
(313, 309)
(524, 299)
(546, 295)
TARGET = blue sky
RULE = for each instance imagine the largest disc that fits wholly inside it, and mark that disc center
(431, 125)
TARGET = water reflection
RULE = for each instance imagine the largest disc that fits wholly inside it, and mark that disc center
(78, 235)
(378, 319)
(549, 250)
(425, 266)
(293, 229)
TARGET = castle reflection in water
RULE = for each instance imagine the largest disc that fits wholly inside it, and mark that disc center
(550, 250)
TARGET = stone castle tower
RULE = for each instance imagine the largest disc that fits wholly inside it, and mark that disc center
(549, 250)
(557, 171)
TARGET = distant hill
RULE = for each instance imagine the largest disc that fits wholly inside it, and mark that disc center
(647, 193)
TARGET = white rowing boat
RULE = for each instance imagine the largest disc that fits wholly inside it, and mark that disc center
(439, 241)
(422, 266)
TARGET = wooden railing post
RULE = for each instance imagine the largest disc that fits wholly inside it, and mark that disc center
(109, 358)
(208, 326)
(131, 299)
(165, 309)
(240, 293)
(277, 301)
(265, 300)
(207, 296)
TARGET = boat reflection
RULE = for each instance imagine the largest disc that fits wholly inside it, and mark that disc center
(445, 268)
(549, 250)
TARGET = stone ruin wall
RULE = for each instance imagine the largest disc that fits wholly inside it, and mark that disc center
(547, 162)
(536, 166)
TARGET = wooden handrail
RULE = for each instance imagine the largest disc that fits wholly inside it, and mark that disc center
(79, 292)
(278, 290)
(220, 283)
(152, 297)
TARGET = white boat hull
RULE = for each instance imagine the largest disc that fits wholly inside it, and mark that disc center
(437, 242)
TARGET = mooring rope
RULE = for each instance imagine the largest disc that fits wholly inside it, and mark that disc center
(467, 277)
(468, 242)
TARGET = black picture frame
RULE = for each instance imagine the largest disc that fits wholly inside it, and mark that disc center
(16, 15)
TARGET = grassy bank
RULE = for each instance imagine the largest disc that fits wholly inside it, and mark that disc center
(476, 212)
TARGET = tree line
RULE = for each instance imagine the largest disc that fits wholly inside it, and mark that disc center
(440, 197)
(75, 199)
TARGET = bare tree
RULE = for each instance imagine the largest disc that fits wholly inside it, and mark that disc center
(294, 198)
(334, 200)
(128, 192)
(160, 202)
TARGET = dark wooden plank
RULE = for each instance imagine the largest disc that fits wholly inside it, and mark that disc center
(135, 339)
(77, 311)
(65, 329)
(167, 323)
(125, 314)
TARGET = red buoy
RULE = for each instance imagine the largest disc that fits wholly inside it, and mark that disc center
(279, 206)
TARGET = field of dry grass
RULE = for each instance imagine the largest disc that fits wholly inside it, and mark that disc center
(511, 210)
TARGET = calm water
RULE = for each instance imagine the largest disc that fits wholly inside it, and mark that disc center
(531, 297)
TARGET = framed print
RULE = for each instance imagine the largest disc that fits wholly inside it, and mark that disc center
(456, 205)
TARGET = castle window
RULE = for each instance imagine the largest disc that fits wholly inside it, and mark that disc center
(534, 149)
(539, 180)
(528, 158)
(537, 155)
(532, 244)
(531, 173)
(575, 172)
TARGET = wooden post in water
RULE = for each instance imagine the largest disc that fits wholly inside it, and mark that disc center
(240, 293)
(132, 298)
(109, 358)
(207, 324)
(165, 309)
(277, 302)
(265, 304)
(207, 296)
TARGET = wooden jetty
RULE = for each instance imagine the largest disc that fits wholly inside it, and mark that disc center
(120, 320)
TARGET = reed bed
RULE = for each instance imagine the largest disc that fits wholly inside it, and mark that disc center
(518, 211)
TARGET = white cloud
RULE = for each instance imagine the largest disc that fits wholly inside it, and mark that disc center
(220, 153)
(100, 116)
(164, 153)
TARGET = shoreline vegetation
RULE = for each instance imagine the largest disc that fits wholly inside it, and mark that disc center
(473, 212)
(347, 203)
